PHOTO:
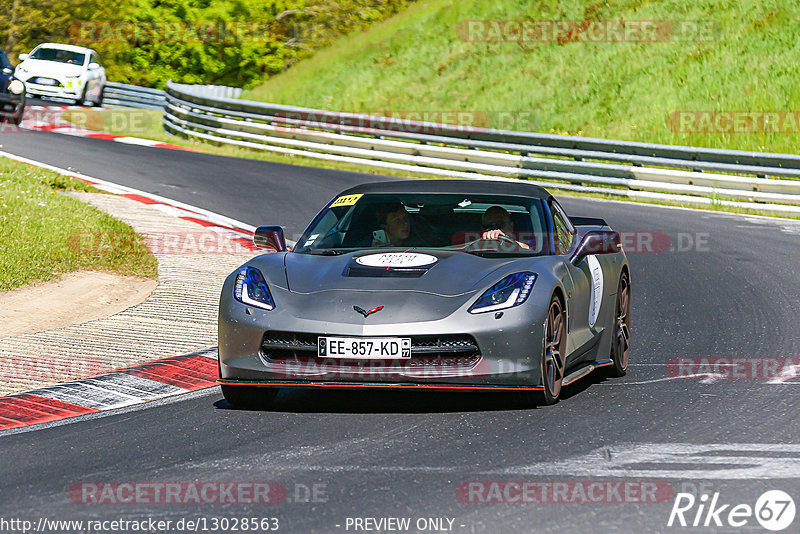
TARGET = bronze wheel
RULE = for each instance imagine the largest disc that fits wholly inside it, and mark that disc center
(621, 344)
(554, 357)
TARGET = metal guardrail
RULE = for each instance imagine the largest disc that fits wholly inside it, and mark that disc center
(636, 170)
(133, 96)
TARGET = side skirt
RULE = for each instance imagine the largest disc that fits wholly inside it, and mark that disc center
(583, 370)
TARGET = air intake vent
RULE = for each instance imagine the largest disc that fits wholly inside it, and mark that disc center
(382, 272)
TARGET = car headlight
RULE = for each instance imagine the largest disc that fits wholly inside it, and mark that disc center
(16, 87)
(511, 291)
(251, 289)
(72, 76)
(22, 69)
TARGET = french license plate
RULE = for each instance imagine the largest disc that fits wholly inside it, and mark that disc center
(371, 348)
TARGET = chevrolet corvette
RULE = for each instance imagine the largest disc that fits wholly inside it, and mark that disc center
(440, 284)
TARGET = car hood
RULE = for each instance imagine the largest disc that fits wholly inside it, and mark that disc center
(50, 68)
(444, 273)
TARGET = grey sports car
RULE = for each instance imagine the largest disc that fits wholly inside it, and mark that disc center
(444, 284)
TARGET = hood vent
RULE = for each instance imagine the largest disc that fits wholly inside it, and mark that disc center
(357, 270)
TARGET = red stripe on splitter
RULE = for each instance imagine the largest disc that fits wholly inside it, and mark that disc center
(192, 373)
(27, 409)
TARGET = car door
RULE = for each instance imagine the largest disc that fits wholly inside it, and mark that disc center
(581, 296)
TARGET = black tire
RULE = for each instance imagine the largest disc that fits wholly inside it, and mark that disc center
(82, 100)
(621, 343)
(554, 356)
(99, 101)
(16, 120)
(250, 397)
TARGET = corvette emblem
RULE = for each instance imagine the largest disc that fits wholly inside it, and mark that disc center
(366, 313)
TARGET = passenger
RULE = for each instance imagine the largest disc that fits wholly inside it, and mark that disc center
(395, 226)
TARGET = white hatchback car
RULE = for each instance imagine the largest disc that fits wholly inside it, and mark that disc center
(63, 71)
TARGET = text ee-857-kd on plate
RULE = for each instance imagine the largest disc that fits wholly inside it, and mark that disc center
(364, 347)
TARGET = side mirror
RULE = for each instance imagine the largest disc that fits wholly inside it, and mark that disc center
(23, 57)
(94, 66)
(596, 242)
(270, 237)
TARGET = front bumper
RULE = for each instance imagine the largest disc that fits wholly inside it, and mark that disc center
(66, 89)
(508, 351)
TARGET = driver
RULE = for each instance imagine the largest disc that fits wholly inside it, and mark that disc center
(496, 222)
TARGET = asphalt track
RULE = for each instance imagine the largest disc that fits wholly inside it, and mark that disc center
(399, 454)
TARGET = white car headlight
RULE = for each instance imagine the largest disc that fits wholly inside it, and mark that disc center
(16, 87)
(72, 76)
(22, 69)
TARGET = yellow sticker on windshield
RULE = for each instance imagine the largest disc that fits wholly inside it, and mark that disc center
(346, 200)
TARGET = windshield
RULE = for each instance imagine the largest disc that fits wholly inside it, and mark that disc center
(482, 224)
(59, 56)
(4, 63)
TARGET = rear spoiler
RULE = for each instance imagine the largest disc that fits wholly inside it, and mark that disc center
(588, 221)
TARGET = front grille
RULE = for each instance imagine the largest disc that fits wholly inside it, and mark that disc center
(51, 82)
(444, 350)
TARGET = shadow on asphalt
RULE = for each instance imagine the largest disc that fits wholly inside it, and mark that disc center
(297, 400)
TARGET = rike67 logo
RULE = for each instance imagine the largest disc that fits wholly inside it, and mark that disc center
(774, 510)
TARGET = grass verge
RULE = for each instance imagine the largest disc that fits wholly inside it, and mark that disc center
(448, 55)
(41, 229)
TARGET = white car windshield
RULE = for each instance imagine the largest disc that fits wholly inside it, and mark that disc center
(59, 56)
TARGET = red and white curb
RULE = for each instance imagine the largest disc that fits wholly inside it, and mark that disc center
(237, 231)
(125, 387)
(133, 385)
(48, 119)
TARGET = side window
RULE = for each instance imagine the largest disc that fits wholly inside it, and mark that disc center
(563, 231)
